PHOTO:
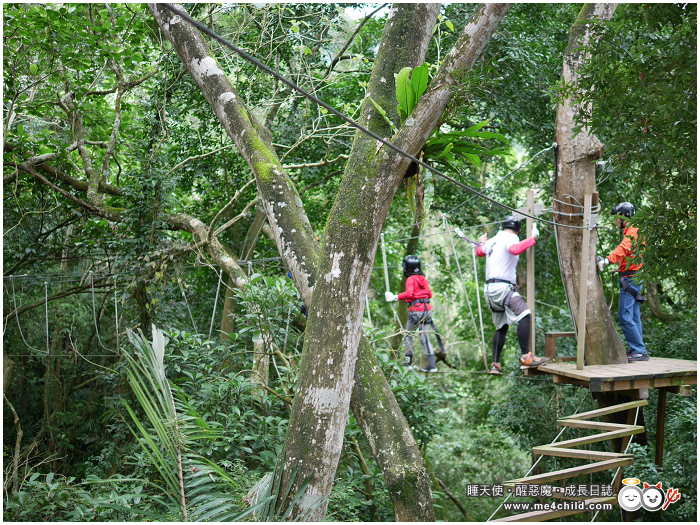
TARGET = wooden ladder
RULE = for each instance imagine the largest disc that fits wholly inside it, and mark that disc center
(599, 461)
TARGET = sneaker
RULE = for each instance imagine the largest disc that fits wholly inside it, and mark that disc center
(407, 360)
(496, 369)
(426, 369)
(634, 357)
(532, 361)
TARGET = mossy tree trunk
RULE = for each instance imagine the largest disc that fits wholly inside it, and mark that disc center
(576, 159)
(333, 279)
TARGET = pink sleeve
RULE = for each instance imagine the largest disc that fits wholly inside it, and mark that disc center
(520, 247)
(480, 251)
(408, 294)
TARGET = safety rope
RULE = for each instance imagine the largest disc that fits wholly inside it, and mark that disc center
(540, 458)
(94, 313)
(182, 290)
(46, 313)
(116, 313)
(182, 14)
(478, 299)
(19, 326)
(216, 299)
(482, 350)
(386, 282)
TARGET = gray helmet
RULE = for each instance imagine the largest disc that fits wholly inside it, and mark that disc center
(411, 265)
(512, 223)
(624, 208)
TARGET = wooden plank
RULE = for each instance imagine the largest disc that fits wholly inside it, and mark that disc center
(570, 381)
(550, 347)
(608, 410)
(605, 436)
(662, 382)
(581, 470)
(530, 261)
(559, 334)
(546, 515)
(593, 425)
(592, 455)
(660, 425)
(583, 282)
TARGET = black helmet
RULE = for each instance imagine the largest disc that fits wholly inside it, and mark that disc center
(411, 265)
(624, 208)
(512, 223)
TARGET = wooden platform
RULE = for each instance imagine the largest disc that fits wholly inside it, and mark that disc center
(658, 372)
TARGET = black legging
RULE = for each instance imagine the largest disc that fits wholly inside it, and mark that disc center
(499, 338)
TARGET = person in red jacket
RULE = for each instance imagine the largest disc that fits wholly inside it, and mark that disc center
(420, 314)
(628, 312)
(501, 291)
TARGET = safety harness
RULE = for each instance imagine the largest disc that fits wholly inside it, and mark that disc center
(494, 307)
(432, 324)
(627, 288)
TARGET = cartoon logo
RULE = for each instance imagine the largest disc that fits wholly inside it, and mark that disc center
(652, 498)
(630, 498)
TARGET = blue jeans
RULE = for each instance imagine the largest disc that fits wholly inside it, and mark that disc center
(630, 320)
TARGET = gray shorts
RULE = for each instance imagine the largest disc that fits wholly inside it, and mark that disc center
(507, 305)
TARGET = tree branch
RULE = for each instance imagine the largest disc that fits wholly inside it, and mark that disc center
(315, 164)
(228, 207)
(110, 214)
(195, 157)
(350, 40)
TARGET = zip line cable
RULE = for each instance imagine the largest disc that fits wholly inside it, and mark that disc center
(348, 120)
(554, 145)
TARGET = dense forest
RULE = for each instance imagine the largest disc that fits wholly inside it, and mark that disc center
(196, 252)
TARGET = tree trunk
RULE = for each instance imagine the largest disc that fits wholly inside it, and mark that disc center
(249, 243)
(7, 366)
(653, 292)
(375, 408)
(339, 275)
(575, 178)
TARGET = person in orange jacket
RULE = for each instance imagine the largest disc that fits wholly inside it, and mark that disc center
(628, 312)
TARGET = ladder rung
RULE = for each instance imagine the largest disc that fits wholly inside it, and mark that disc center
(548, 450)
(571, 472)
(594, 425)
(631, 430)
(609, 410)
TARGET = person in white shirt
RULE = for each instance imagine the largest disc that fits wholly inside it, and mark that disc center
(501, 291)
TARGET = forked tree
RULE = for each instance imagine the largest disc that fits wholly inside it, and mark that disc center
(333, 278)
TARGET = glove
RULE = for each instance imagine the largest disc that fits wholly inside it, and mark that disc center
(459, 232)
(535, 231)
(602, 262)
(390, 297)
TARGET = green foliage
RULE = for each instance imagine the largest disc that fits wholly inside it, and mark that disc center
(410, 86)
(416, 397)
(53, 497)
(644, 108)
(444, 149)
